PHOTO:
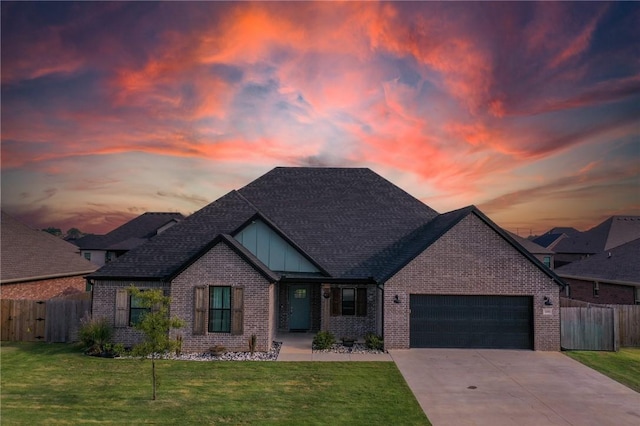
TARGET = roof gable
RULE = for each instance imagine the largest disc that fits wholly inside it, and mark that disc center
(29, 254)
(272, 249)
(404, 251)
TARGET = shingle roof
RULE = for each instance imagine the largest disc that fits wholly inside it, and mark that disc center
(337, 217)
(611, 233)
(352, 223)
(28, 254)
(622, 266)
(165, 254)
(129, 235)
(547, 240)
(531, 246)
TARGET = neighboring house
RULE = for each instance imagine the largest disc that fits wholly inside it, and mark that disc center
(37, 265)
(543, 254)
(342, 250)
(549, 240)
(611, 233)
(101, 249)
(610, 277)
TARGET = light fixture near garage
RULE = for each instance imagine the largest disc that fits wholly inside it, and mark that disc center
(396, 299)
(547, 301)
(326, 294)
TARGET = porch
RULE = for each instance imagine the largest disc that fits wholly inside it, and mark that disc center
(346, 309)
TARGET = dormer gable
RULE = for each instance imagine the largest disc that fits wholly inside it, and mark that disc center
(273, 250)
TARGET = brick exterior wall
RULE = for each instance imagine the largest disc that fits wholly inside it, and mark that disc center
(607, 294)
(221, 266)
(471, 258)
(104, 306)
(44, 289)
(351, 326)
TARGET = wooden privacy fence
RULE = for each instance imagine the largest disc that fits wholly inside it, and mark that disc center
(588, 329)
(627, 319)
(54, 320)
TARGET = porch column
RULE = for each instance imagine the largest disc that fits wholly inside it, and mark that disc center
(325, 311)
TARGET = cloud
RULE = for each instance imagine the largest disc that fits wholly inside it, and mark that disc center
(194, 199)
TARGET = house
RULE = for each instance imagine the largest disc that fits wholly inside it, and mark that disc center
(101, 249)
(541, 253)
(341, 250)
(611, 233)
(37, 265)
(610, 277)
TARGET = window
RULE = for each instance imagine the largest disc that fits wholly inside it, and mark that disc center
(136, 310)
(109, 256)
(219, 309)
(87, 255)
(547, 261)
(349, 302)
(596, 289)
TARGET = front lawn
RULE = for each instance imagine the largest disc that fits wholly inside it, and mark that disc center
(55, 384)
(622, 366)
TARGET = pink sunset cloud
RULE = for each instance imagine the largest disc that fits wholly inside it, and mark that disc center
(455, 95)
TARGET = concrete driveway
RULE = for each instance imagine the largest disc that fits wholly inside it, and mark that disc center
(504, 387)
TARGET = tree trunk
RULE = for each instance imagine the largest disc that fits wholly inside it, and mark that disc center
(153, 374)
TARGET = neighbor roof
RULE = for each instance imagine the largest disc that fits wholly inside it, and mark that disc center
(29, 254)
(531, 246)
(133, 233)
(337, 217)
(548, 240)
(611, 233)
(620, 264)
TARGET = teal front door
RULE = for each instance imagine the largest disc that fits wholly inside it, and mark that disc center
(300, 303)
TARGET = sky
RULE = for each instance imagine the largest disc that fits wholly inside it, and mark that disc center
(530, 111)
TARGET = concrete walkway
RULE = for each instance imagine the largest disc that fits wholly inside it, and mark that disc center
(297, 347)
(506, 387)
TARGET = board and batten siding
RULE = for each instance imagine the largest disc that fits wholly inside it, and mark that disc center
(272, 250)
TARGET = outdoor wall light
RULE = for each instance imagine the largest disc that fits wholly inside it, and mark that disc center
(326, 294)
(396, 299)
(547, 301)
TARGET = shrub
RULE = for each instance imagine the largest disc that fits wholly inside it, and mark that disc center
(323, 340)
(95, 334)
(373, 341)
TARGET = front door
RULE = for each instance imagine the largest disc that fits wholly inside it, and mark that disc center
(300, 303)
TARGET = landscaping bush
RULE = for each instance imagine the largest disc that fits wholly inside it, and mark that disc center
(323, 340)
(95, 334)
(373, 341)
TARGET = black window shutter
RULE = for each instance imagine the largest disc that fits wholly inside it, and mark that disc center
(361, 302)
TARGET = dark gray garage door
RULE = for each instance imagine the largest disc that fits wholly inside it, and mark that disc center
(444, 321)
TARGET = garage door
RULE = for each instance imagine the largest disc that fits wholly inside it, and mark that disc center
(445, 321)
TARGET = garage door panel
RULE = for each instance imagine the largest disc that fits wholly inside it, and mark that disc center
(446, 321)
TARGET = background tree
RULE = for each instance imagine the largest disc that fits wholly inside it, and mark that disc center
(74, 234)
(53, 231)
(156, 325)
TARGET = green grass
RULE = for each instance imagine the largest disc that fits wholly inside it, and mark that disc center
(55, 384)
(622, 366)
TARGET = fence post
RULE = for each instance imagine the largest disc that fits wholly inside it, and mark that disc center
(616, 331)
